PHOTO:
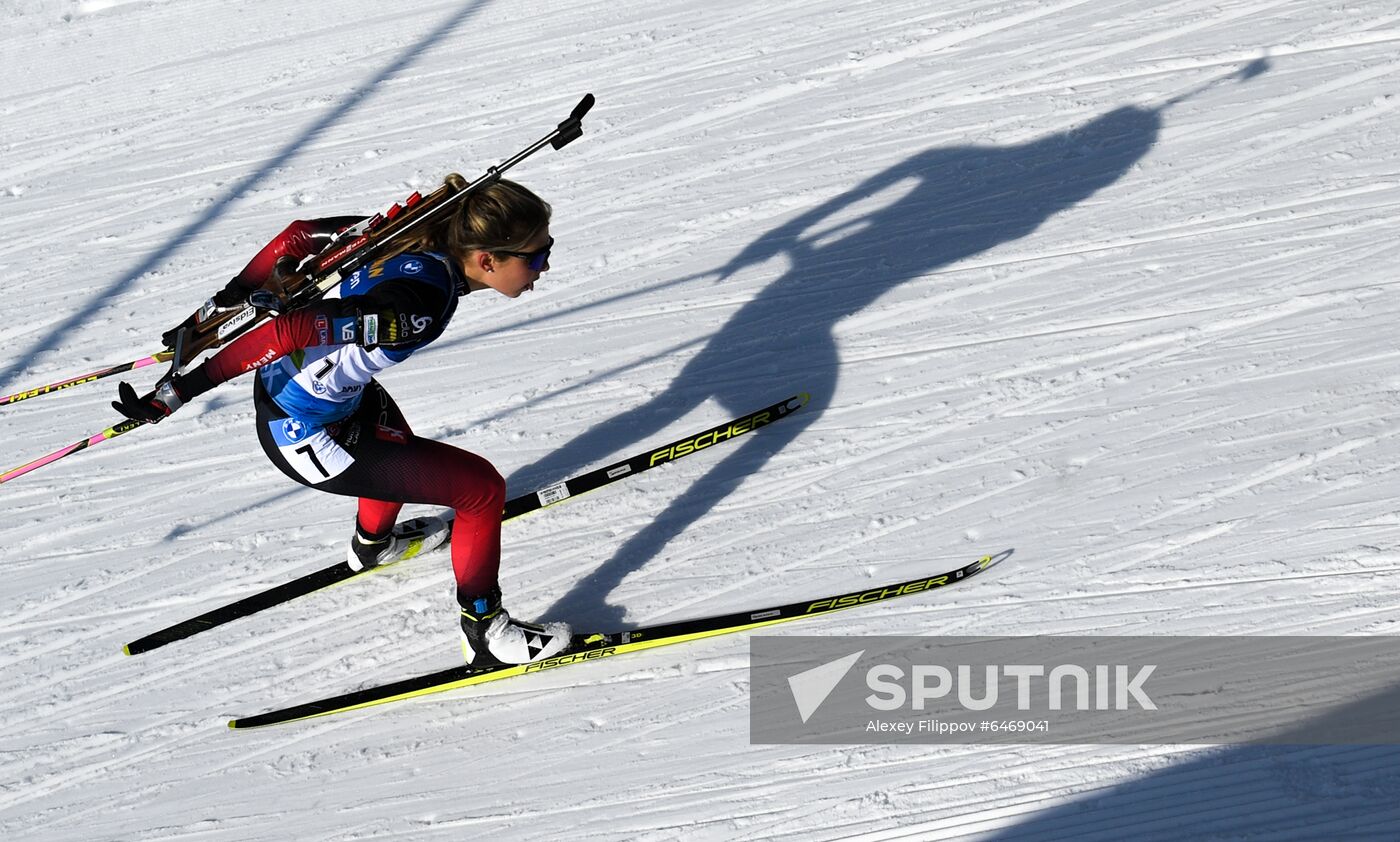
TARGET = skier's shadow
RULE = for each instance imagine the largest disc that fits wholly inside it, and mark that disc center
(945, 205)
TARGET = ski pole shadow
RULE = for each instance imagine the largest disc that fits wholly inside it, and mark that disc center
(949, 204)
(100, 298)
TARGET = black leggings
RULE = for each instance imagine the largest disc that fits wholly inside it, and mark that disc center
(389, 466)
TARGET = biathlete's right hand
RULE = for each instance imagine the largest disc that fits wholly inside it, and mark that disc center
(151, 408)
(272, 296)
(232, 295)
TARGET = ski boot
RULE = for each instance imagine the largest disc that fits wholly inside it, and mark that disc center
(491, 638)
(406, 540)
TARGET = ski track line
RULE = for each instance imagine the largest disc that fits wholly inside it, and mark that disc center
(114, 568)
(1173, 546)
(197, 186)
(1274, 472)
(15, 103)
(98, 507)
(919, 352)
(1175, 344)
(38, 786)
(1383, 361)
(139, 611)
(113, 578)
(1199, 584)
(1286, 208)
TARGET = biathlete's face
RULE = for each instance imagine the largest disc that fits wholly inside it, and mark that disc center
(510, 272)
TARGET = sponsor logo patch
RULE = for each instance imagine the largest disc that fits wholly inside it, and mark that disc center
(390, 434)
(345, 330)
(293, 430)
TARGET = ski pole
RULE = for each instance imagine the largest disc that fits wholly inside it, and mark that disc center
(109, 433)
(154, 359)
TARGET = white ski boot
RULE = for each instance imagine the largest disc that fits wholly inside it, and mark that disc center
(490, 637)
(408, 539)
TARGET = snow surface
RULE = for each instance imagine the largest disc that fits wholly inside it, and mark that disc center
(1108, 283)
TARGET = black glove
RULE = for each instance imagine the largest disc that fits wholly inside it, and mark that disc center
(153, 407)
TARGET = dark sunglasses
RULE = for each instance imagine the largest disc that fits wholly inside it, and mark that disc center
(534, 259)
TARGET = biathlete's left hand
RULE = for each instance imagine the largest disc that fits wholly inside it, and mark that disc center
(151, 408)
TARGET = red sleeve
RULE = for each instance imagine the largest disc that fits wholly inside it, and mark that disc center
(267, 342)
(301, 238)
(329, 321)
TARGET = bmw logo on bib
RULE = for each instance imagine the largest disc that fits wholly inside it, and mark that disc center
(293, 430)
(289, 431)
(412, 267)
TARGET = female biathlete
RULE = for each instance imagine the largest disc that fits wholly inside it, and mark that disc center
(325, 422)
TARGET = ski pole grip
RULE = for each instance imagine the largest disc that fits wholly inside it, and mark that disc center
(572, 128)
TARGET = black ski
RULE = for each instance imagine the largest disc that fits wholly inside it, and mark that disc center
(524, 504)
(594, 647)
